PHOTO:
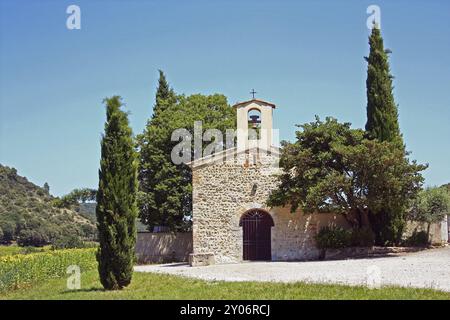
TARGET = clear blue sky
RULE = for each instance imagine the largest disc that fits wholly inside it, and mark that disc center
(305, 56)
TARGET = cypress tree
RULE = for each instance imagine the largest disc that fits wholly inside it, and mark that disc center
(382, 113)
(382, 124)
(164, 95)
(116, 199)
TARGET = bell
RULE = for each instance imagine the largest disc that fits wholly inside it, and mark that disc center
(254, 120)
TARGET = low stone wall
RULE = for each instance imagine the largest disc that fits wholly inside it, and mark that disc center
(163, 247)
(293, 233)
(438, 231)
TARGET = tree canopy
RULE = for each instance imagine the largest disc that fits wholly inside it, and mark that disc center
(75, 197)
(165, 197)
(333, 168)
(431, 206)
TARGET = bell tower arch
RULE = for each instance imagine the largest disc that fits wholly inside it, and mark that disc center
(254, 116)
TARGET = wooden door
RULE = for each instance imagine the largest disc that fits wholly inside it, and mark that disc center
(257, 226)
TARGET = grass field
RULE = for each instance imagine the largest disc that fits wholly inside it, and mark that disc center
(10, 250)
(156, 286)
(15, 249)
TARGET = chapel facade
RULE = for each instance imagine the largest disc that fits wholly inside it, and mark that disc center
(231, 221)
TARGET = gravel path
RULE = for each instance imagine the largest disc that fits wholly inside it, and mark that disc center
(425, 269)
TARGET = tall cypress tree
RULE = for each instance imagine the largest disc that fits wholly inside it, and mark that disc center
(164, 95)
(155, 165)
(382, 124)
(116, 199)
(382, 113)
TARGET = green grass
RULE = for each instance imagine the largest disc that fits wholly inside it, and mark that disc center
(157, 286)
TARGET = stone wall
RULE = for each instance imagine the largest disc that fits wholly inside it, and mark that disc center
(438, 231)
(293, 233)
(225, 190)
(222, 192)
(163, 247)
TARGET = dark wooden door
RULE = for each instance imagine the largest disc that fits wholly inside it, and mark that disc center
(257, 226)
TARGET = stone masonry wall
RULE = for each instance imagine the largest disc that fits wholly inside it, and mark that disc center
(293, 233)
(163, 247)
(438, 231)
(222, 192)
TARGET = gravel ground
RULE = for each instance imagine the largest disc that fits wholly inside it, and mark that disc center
(425, 269)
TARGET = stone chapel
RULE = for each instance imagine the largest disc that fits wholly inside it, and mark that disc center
(231, 222)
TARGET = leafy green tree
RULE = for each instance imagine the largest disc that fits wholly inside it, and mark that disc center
(431, 206)
(32, 237)
(75, 197)
(165, 197)
(46, 188)
(9, 231)
(333, 168)
(84, 195)
(116, 199)
(67, 242)
(382, 124)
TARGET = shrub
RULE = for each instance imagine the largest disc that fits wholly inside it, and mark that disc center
(29, 250)
(90, 244)
(67, 242)
(333, 237)
(363, 237)
(17, 271)
(89, 231)
(417, 238)
(9, 230)
(34, 238)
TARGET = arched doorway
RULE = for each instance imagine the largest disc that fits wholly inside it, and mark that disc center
(256, 226)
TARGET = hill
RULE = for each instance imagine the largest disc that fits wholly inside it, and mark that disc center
(87, 210)
(27, 214)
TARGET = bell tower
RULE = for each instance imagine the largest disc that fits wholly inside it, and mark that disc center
(254, 124)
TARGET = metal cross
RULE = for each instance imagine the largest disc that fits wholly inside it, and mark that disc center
(253, 93)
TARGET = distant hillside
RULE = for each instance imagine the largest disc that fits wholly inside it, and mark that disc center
(27, 213)
(87, 210)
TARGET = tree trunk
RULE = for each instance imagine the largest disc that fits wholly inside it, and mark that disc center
(358, 218)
